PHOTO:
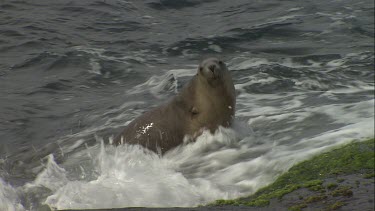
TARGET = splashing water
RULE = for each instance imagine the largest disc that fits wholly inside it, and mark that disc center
(223, 165)
(9, 199)
(303, 75)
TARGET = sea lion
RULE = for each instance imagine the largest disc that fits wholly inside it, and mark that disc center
(206, 102)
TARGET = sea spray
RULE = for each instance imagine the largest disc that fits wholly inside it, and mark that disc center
(9, 199)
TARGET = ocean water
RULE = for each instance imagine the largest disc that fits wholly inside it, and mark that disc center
(74, 73)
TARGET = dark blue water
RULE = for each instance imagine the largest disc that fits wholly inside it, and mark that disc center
(71, 71)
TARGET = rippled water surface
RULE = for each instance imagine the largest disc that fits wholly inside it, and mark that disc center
(73, 73)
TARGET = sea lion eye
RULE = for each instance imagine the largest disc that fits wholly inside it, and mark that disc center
(220, 62)
(200, 68)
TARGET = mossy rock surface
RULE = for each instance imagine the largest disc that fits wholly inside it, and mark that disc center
(322, 179)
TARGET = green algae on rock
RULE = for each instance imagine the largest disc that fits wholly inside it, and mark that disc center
(356, 157)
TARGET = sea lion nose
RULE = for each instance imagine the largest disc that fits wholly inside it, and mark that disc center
(212, 68)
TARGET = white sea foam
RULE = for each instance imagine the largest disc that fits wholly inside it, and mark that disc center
(9, 199)
(157, 85)
(95, 67)
(223, 165)
(140, 56)
(220, 165)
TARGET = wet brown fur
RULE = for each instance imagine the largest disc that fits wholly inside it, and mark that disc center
(204, 103)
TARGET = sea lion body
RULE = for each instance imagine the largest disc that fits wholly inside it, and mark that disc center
(206, 102)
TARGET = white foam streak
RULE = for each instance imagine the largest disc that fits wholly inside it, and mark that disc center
(9, 200)
(167, 82)
(53, 177)
(157, 85)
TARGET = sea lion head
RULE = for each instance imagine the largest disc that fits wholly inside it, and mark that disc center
(212, 69)
(213, 99)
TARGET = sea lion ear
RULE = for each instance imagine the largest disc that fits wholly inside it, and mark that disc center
(194, 111)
